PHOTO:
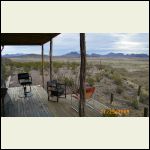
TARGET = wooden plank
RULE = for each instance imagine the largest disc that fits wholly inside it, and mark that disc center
(42, 102)
(34, 103)
(38, 106)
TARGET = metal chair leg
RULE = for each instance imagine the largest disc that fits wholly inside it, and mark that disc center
(57, 98)
(30, 88)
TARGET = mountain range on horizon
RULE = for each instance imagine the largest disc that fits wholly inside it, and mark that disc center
(77, 55)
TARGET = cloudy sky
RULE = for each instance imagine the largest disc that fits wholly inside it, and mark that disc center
(100, 43)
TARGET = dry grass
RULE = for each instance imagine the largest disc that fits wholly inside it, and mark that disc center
(118, 76)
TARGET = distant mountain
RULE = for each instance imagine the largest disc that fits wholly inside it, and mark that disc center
(71, 54)
(95, 55)
(115, 55)
(121, 55)
(137, 55)
(110, 55)
(23, 56)
(13, 55)
(33, 56)
(77, 55)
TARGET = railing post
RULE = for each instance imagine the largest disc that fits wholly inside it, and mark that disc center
(145, 112)
(138, 94)
(111, 98)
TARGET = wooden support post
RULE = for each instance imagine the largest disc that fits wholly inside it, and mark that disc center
(111, 98)
(138, 94)
(50, 59)
(43, 66)
(82, 74)
(139, 90)
(145, 112)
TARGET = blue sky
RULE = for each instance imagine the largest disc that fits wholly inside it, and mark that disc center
(100, 43)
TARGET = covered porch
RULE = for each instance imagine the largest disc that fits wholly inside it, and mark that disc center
(38, 104)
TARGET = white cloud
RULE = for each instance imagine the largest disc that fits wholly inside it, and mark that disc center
(131, 43)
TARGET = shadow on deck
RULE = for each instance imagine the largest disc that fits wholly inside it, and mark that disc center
(38, 105)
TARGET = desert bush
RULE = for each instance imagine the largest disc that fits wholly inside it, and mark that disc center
(121, 71)
(90, 81)
(27, 69)
(108, 74)
(89, 66)
(144, 97)
(6, 68)
(135, 104)
(117, 78)
(57, 64)
(100, 66)
(119, 89)
(98, 77)
(55, 70)
(68, 81)
(74, 65)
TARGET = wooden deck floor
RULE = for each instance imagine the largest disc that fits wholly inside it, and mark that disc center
(38, 105)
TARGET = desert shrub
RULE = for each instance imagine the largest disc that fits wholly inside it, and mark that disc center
(89, 66)
(98, 77)
(144, 97)
(119, 89)
(117, 78)
(100, 66)
(74, 65)
(90, 81)
(6, 68)
(68, 81)
(27, 69)
(46, 65)
(57, 64)
(121, 71)
(107, 74)
(55, 70)
(135, 104)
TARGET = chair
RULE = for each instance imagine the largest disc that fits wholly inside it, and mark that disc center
(3, 94)
(56, 89)
(88, 97)
(25, 80)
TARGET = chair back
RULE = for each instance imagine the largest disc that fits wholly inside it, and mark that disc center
(23, 76)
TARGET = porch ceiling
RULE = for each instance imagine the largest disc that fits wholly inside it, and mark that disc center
(26, 38)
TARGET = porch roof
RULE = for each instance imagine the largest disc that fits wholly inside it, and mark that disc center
(26, 38)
